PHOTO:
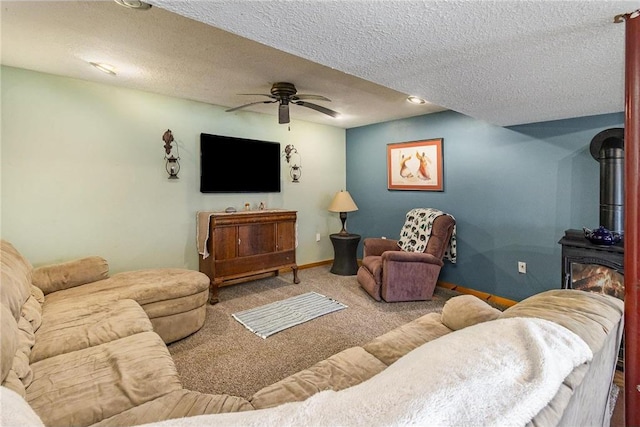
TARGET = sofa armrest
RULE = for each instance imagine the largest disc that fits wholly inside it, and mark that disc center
(56, 277)
(402, 256)
(375, 246)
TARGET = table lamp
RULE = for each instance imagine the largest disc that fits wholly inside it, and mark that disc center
(343, 203)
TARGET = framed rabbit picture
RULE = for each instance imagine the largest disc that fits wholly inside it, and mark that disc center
(416, 165)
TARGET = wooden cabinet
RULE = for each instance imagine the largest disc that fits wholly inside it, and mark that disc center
(243, 246)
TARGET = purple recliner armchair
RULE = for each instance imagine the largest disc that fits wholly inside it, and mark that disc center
(391, 274)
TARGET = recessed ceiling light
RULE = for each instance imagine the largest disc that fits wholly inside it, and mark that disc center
(416, 100)
(134, 4)
(105, 68)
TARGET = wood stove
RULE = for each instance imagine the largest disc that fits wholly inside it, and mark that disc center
(593, 268)
(600, 268)
(590, 267)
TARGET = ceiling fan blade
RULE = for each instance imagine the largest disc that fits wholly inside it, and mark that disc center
(316, 97)
(258, 94)
(318, 108)
(246, 105)
(283, 114)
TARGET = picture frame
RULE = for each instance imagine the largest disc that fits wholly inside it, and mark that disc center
(415, 165)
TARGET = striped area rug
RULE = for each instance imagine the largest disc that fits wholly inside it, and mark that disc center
(271, 318)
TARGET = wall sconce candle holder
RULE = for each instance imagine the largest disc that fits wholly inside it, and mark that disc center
(294, 160)
(172, 164)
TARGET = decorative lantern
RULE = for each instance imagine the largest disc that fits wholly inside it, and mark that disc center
(294, 159)
(172, 164)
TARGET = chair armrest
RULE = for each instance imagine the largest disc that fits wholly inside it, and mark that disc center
(55, 277)
(402, 256)
(375, 246)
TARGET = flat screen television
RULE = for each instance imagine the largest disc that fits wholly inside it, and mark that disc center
(238, 165)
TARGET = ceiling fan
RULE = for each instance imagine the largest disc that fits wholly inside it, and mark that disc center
(284, 94)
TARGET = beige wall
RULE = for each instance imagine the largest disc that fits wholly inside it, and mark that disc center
(83, 173)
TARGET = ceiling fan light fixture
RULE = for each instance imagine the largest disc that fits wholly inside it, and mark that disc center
(105, 68)
(285, 94)
(134, 4)
(416, 100)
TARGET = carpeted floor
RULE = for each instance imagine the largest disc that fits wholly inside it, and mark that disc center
(224, 357)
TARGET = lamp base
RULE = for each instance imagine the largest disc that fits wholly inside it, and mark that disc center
(343, 218)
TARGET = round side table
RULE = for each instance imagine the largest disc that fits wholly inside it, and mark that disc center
(345, 246)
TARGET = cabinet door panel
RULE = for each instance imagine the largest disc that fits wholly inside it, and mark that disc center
(286, 236)
(255, 239)
(224, 242)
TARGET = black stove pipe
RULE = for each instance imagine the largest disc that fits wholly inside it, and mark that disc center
(607, 148)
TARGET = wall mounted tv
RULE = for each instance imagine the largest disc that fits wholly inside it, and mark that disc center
(238, 165)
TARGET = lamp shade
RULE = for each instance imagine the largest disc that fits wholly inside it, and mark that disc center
(342, 202)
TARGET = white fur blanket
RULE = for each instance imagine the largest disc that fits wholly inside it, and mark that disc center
(15, 411)
(496, 373)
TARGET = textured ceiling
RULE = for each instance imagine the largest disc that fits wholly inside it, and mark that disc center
(161, 52)
(505, 62)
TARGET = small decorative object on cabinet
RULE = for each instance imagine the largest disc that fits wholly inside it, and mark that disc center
(245, 246)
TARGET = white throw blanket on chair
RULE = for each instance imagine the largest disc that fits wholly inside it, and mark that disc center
(416, 231)
(498, 373)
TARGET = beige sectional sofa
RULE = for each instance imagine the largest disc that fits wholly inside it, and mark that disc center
(82, 359)
(81, 346)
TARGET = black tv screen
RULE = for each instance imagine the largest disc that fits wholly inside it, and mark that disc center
(238, 165)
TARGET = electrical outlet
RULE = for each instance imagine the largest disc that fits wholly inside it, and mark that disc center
(522, 267)
(317, 237)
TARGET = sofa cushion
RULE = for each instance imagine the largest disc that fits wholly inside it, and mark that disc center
(32, 312)
(15, 281)
(177, 404)
(340, 371)
(64, 330)
(591, 316)
(37, 293)
(51, 278)
(467, 310)
(86, 386)
(394, 344)
(26, 339)
(9, 341)
(143, 286)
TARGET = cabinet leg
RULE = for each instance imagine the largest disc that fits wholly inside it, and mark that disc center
(213, 293)
(295, 275)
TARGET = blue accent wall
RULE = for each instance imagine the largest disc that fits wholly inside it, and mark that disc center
(513, 191)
